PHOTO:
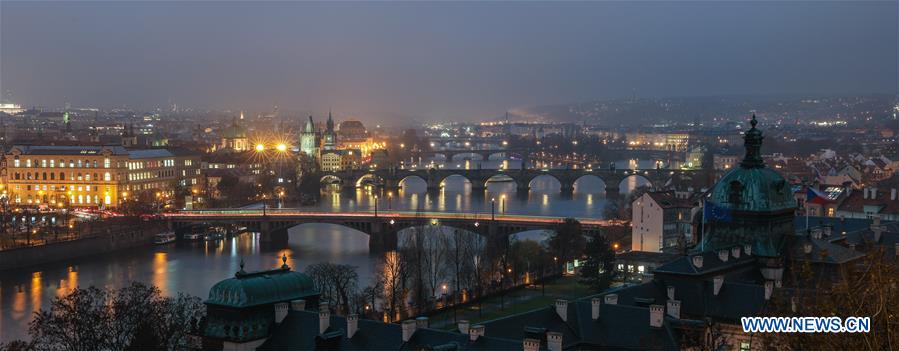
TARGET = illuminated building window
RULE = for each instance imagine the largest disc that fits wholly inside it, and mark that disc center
(28, 163)
(106, 163)
(106, 176)
(16, 162)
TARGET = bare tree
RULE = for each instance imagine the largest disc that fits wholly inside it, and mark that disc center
(868, 288)
(434, 252)
(391, 275)
(337, 283)
(127, 319)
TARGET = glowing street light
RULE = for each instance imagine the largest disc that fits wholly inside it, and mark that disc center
(260, 147)
(281, 147)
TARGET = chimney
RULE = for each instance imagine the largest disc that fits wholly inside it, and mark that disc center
(723, 255)
(735, 252)
(463, 326)
(554, 341)
(352, 324)
(476, 331)
(671, 292)
(594, 307)
(562, 309)
(611, 299)
(531, 344)
(674, 308)
(280, 311)
(893, 194)
(697, 261)
(408, 329)
(718, 282)
(324, 321)
(298, 305)
(422, 322)
(747, 249)
(656, 315)
(769, 289)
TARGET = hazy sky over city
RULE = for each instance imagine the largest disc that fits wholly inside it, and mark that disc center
(437, 60)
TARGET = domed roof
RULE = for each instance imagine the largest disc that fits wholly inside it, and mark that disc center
(234, 131)
(260, 288)
(752, 186)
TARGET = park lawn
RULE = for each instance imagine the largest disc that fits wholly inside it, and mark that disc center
(524, 300)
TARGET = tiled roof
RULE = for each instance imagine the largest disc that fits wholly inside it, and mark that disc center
(668, 199)
(619, 327)
(299, 331)
(856, 202)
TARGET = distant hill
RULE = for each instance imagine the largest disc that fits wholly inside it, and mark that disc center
(639, 112)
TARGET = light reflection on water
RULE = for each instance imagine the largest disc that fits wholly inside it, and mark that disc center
(194, 267)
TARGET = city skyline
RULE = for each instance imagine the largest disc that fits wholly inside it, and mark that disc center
(461, 61)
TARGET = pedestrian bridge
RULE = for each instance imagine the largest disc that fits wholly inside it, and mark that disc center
(381, 226)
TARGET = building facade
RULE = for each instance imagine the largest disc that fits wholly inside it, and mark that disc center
(95, 176)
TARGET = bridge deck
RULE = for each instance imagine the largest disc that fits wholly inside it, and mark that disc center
(287, 213)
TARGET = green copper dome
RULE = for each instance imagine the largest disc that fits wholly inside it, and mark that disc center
(752, 205)
(753, 187)
(259, 288)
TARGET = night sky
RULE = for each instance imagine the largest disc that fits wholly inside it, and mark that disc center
(433, 61)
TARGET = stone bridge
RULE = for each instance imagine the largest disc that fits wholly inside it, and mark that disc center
(382, 227)
(394, 177)
(483, 153)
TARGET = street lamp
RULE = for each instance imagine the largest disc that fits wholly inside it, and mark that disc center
(260, 148)
(492, 209)
(376, 205)
(281, 147)
(389, 200)
(503, 203)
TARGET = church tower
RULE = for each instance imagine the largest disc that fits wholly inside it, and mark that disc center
(308, 139)
(330, 136)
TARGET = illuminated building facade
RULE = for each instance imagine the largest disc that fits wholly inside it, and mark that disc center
(658, 141)
(95, 176)
(234, 137)
(340, 160)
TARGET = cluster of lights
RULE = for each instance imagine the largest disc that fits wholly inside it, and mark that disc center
(281, 147)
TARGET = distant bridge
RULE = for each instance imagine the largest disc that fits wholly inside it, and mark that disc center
(381, 226)
(394, 177)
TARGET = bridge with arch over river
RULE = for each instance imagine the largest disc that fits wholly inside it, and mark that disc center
(393, 178)
(381, 226)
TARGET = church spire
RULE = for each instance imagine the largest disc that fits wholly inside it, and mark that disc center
(753, 142)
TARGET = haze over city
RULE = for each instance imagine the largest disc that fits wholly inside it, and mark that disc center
(469, 176)
(403, 61)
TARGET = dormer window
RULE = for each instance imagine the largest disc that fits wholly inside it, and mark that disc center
(735, 193)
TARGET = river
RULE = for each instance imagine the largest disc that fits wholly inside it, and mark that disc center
(193, 268)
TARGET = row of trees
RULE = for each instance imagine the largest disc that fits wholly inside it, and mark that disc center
(432, 266)
(136, 317)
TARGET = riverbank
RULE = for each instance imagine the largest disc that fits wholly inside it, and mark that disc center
(113, 236)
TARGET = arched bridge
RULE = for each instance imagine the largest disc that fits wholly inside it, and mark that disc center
(484, 154)
(382, 227)
(393, 178)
